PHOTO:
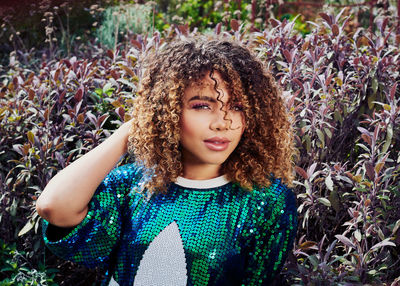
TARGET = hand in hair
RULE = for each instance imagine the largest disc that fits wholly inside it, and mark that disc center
(64, 201)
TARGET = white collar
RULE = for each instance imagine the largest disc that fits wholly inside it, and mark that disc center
(202, 184)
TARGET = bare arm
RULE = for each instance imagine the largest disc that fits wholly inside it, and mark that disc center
(64, 201)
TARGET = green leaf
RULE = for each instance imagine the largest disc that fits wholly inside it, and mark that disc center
(363, 146)
(108, 89)
(337, 116)
(321, 137)
(375, 85)
(307, 139)
(396, 226)
(329, 183)
(28, 226)
(13, 207)
(31, 137)
(334, 199)
(324, 201)
(127, 82)
(99, 91)
(314, 261)
(328, 132)
(371, 100)
(388, 140)
(357, 235)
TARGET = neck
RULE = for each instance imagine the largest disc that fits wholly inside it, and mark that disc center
(200, 172)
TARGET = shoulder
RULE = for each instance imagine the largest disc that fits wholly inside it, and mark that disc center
(277, 189)
(276, 199)
(121, 181)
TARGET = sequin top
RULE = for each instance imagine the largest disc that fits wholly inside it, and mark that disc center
(203, 234)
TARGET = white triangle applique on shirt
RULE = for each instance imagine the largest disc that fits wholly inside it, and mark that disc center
(164, 262)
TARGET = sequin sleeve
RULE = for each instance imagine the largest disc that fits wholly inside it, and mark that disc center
(272, 235)
(91, 242)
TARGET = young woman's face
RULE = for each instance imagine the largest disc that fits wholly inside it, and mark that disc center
(211, 128)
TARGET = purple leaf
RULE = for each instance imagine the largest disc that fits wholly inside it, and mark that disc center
(364, 131)
(335, 30)
(383, 243)
(121, 112)
(92, 118)
(101, 120)
(369, 167)
(218, 28)
(287, 55)
(79, 94)
(326, 17)
(275, 23)
(393, 91)
(234, 25)
(110, 54)
(301, 172)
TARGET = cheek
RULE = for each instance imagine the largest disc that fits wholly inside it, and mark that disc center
(242, 122)
(186, 125)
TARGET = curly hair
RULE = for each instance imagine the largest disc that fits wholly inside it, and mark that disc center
(266, 147)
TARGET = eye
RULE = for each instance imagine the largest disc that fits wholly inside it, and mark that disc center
(237, 107)
(199, 106)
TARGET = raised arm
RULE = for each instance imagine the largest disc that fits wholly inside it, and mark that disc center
(64, 201)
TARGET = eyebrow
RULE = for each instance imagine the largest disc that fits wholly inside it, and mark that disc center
(203, 97)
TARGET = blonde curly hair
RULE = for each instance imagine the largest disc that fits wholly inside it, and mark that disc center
(266, 147)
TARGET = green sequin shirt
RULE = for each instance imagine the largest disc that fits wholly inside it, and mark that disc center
(209, 232)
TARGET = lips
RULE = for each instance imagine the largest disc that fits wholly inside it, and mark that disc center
(217, 143)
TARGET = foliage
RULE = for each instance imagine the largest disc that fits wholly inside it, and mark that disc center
(47, 28)
(200, 14)
(50, 118)
(15, 266)
(341, 83)
(123, 19)
(343, 90)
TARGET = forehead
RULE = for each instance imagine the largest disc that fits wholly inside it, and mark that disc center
(214, 85)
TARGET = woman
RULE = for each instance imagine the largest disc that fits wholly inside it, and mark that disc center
(206, 201)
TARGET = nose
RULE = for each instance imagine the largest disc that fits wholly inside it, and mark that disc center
(220, 121)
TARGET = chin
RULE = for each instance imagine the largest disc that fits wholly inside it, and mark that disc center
(217, 162)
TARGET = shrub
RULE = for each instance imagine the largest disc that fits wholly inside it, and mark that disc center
(15, 266)
(124, 19)
(343, 90)
(48, 119)
(341, 84)
(47, 28)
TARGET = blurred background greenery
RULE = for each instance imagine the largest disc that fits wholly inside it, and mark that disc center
(37, 25)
